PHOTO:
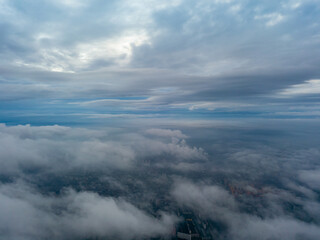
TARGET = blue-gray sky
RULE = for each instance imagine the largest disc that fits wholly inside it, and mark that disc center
(82, 61)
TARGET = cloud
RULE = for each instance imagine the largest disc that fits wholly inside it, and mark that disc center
(137, 173)
(307, 88)
(72, 3)
(217, 204)
(311, 178)
(56, 148)
(27, 214)
(203, 197)
(177, 150)
(166, 133)
(272, 19)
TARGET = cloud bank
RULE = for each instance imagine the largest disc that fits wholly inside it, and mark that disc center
(26, 214)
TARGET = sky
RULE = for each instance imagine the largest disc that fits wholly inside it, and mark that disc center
(116, 116)
(77, 62)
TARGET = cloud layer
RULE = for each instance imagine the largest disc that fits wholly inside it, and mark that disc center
(77, 60)
(26, 214)
(242, 181)
(217, 204)
(57, 148)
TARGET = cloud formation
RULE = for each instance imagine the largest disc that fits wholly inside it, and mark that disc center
(56, 148)
(148, 57)
(217, 204)
(133, 183)
(27, 214)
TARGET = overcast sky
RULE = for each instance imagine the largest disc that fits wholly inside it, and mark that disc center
(82, 61)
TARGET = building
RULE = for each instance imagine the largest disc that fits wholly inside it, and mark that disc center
(187, 231)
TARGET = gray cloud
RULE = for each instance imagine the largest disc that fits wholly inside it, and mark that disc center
(26, 214)
(56, 148)
(217, 204)
(166, 133)
(140, 171)
(213, 55)
(311, 178)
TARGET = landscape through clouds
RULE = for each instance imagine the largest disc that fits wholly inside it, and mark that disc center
(135, 119)
(238, 181)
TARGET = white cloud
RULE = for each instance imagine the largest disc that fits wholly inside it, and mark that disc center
(72, 3)
(272, 19)
(166, 133)
(28, 215)
(55, 148)
(308, 87)
(216, 203)
(311, 178)
(212, 200)
(211, 106)
(174, 150)
(115, 49)
(118, 48)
